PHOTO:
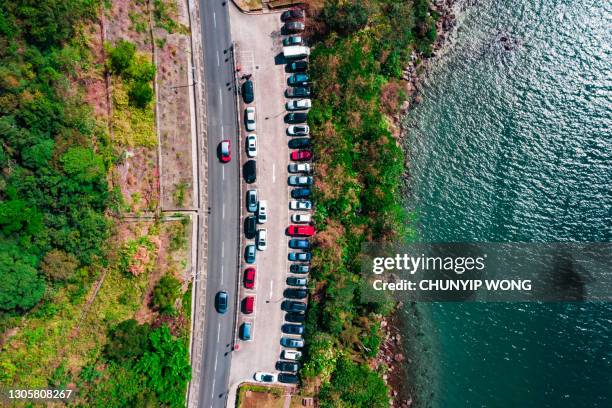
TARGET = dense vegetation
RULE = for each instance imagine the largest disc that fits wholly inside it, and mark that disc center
(355, 67)
(53, 158)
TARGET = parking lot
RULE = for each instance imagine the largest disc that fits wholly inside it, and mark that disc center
(258, 53)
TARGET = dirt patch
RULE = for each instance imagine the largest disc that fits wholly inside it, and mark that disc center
(256, 399)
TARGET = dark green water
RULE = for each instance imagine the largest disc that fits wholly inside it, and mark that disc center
(513, 143)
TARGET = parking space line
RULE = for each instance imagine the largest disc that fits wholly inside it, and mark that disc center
(271, 288)
(274, 173)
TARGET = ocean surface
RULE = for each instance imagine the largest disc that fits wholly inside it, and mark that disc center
(513, 143)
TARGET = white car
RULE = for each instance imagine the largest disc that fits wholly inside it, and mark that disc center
(299, 168)
(262, 212)
(300, 205)
(249, 118)
(298, 130)
(251, 145)
(292, 355)
(300, 218)
(262, 239)
(300, 104)
(265, 377)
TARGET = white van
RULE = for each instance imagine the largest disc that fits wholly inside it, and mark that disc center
(262, 212)
(291, 355)
(301, 218)
(262, 239)
(296, 51)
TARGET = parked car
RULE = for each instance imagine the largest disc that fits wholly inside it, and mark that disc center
(299, 268)
(301, 155)
(286, 378)
(297, 66)
(299, 256)
(301, 230)
(251, 145)
(291, 355)
(291, 342)
(297, 79)
(299, 143)
(295, 317)
(249, 278)
(298, 130)
(299, 180)
(300, 192)
(265, 377)
(294, 27)
(262, 212)
(294, 281)
(247, 91)
(249, 119)
(293, 14)
(292, 329)
(298, 104)
(298, 168)
(251, 200)
(287, 366)
(300, 205)
(292, 40)
(250, 254)
(250, 171)
(295, 293)
(225, 151)
(246, 330)
(221, 301)
(250, 227)
(248, 305)
(296, 243)
(301, 218)
(262, 239)
(296, 117)
(293, 306)
(298, 92)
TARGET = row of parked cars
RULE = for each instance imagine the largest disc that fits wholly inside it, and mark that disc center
(300, 179)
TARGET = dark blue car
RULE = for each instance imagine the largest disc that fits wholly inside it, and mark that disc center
(300, 193)
(299, 244)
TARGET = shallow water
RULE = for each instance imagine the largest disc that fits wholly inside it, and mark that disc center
(513, 143)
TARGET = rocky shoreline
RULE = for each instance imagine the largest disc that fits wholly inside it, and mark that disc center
(392, 351)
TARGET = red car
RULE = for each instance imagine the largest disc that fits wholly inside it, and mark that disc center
(249, 278)
(301, 230)
(248, 304)
(225, 151)
(301, 155)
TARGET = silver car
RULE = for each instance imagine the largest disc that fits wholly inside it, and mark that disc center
(251, 145)
(300, 180)
(249, 118)
(251, 200)
(300, 205)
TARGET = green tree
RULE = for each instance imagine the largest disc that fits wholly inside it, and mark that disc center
(354, 385)
(58, 265)
(83, 164)
(140, 94)
(346, 17)
(121, 56)
(165, 294)
(166, 365)
(20, 285)
(127, 342)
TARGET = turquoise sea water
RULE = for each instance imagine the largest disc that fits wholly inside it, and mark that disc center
(513, 143)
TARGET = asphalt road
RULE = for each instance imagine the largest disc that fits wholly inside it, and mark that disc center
(223, 201)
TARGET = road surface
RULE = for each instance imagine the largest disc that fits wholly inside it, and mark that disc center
(223, 201)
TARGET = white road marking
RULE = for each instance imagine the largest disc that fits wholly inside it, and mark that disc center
(220, 99)
(222, 250)
(223, 211)
(222, 132)
(218, 334)
(274, 173)
(215, 19)
(271, 288)
(223, 172)
(218, 59)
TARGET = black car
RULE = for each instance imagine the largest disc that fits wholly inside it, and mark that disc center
(247, 91)
(295, 317)
(250, 171)
(288, 378)
(250, 227)
(292, 14)
(287, 366)
(297, 66)
(221, 301)
(296, 117)
(295, 293)
(293, 306)
(299, 268)
(300, 193)
(298, 92)
(299, 143)
(292, 329)
(297, 243)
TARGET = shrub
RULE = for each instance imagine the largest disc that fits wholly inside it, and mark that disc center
(20, 285)
(165, 294)
(140, 94)
(127, 342)
(58, 265)
(121, 56)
